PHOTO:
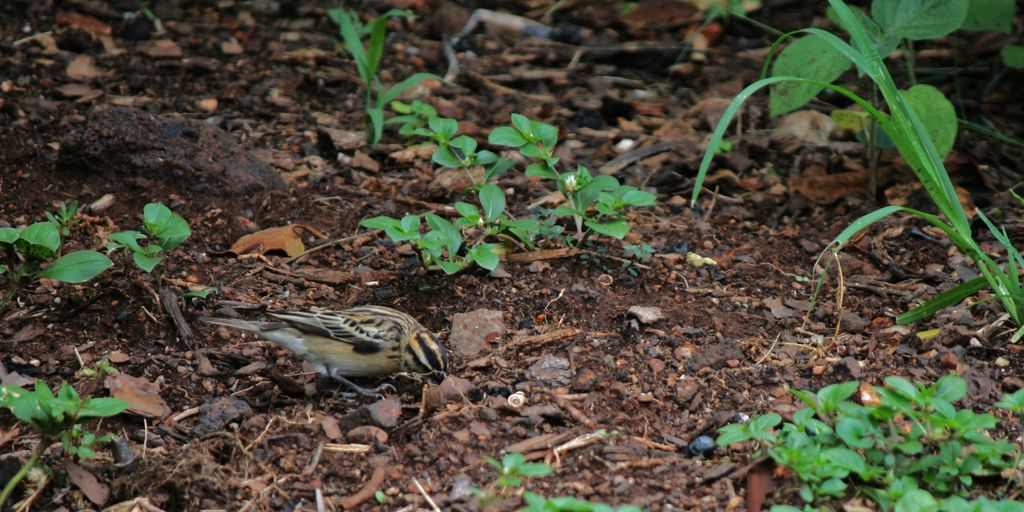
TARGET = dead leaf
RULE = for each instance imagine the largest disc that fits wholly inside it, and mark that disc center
(83, 22)
(82, 68)
(806, 126)
(91, 487)
(143, 396)
(160, 49)
(282, 238)
(829, 188)
(80, 91)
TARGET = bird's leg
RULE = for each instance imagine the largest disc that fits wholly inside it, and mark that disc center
(374, 392)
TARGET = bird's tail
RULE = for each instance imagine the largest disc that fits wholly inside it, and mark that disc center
(237, 323)
(279, 333)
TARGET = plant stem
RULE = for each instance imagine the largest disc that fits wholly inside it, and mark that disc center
(36, 454)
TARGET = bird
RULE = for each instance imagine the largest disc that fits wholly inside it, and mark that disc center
(363, 341)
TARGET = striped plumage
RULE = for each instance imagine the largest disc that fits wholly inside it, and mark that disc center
(364, 341)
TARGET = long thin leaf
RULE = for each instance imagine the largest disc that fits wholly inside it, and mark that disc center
(397, 89)
(943, 300)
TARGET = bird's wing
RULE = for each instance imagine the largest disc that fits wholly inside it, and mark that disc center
(366, 334)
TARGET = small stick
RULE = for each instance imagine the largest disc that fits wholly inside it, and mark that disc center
(379, 473)
(433, 506)
(170, 300)
(187, 413)
(574, 411)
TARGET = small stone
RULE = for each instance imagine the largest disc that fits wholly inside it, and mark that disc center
(205, 367)
(480, 430)
(472, 332)
(386, 412)
(949, 360)
(702, 446)
(118, 357)
(852, 366)
(550, 369)
(462, 436)
(454, 389)
(331, 428)
(218, 412)
(818, 369)
(646, 315)
(686, 389)
(1002, 362)
(367, 434)
(657, 365)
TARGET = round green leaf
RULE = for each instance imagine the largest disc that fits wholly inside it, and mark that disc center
(807, 57)
(919, 19)
(493, 201)
(8, 235)
(936, 113)
(42, 234)
(168, 227)
(506, 136)
(1013, 55)
(77, 267)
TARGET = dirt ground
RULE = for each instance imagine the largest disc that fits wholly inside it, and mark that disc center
(242, 116)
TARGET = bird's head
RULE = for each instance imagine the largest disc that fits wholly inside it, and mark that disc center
(427, 353)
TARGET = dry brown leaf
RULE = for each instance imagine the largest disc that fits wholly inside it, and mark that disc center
(91, 487)
(282, 238)
(143, 396)
(829, 188)
(82, 68)
(84, 22)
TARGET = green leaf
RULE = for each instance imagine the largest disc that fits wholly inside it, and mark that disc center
(43, 235)
(937, 114)
(615, 229)
(466, 144)
(466, 209)
(734, 433)
(638, 198)
(854, 433)
(451, 235)
(493, 201)
(901, 386)
(166, 226)
(444, 127)
(943, 300)
(450, 267)
(380, 222)
(146, 262)
(951, 388)
(506, 136)
(77, 267)
(916, 500)
(990, 15)
(523, 126)
(1013, 55)
(445, 157)
(375, 124)
(807, 57)
(8, 235)
(484, 256)
(532, 469)
(1013, 402)
(919, 19)
(201, 293)
(127, 239)
(541, 170)
(396, 90)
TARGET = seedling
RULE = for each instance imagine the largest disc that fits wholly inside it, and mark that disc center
(538, 503)
(167, 228)
(56, 418)
(411, 115)
(27, 250)
(65, 218)
(367, 55)
(596, 204)
(913, 447)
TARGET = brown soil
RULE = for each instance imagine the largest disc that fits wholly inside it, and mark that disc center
(734, 338)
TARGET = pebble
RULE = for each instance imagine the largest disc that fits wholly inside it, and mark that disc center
(550, 369)
(367, 434)
(472, 332)
(645, 314)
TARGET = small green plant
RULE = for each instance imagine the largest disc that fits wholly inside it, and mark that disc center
(57, 417)
(538, 503)
(913, 130)
(65, 218)
(596, 204)
(411, 116)
(368, 56)
(167, 228)
(512, 470)
(27, 250)
(914, 447)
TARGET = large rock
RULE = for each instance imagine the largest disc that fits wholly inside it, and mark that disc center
(124, 141)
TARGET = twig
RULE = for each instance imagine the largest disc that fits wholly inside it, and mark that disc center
(544, 338)
(574, 411)
(332, 243)
(433, 506)
(379, 473)
(579, 442)
(169, 298)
